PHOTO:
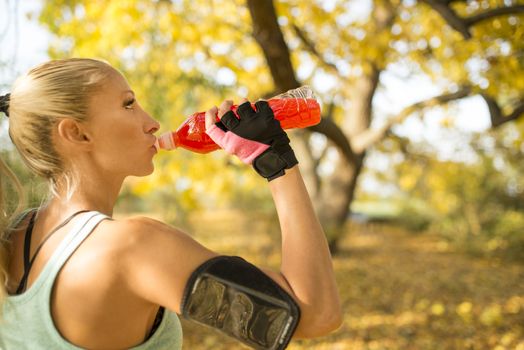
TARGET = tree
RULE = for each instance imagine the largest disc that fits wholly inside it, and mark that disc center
(258, 48)
(394, 31)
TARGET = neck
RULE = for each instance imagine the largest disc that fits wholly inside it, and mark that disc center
(90, 193)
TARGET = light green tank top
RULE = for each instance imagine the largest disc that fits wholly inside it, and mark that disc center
(26, 321)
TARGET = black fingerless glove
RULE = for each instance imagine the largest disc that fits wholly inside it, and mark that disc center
(261, 126)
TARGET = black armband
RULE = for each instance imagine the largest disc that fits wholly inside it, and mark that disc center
(238, 299)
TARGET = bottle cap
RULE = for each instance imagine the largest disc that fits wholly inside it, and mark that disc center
(165, 141)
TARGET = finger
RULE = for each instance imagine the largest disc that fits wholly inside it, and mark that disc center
(224, 107)
(221, 126)
(264, 109)
(211, 117)
(245, 110)
(230, 120)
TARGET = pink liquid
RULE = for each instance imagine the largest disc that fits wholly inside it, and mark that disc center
(191, 135)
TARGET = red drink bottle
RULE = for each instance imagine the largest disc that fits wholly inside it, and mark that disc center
(296, 108)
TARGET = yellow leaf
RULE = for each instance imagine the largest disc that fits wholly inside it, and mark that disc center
(438, 309)
(491, 315)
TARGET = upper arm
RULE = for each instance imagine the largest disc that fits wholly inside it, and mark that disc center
(156, 260)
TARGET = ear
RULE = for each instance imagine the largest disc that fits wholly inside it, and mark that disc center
(72, 133)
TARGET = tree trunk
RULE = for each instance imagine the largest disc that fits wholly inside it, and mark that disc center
(338, 191)
(333, 194)
(334, 202)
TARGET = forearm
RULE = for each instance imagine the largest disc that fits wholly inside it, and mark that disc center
(306, 261)
(306, 270)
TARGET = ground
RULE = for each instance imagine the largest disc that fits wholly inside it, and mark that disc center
(398, 290)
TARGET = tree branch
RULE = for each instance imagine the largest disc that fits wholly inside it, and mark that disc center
(464, 24)
(268, 35)
(370, 136)
(319, 159)
(500, 11)
(450, 16)
(496, 115)
(328, 115)
(334, 133)
(310, 46)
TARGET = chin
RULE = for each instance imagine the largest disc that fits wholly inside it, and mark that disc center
(144, 172)
(149, 171)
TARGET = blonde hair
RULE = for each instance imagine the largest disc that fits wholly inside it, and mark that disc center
(50, 92)
(5, 217)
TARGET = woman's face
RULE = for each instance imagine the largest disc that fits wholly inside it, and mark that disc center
(122, 132)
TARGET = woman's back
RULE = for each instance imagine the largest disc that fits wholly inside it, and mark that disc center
(79, 267)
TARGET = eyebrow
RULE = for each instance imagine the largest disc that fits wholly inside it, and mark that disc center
(126, 91)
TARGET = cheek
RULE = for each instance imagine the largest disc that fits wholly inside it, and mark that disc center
(125, 145)
(112, 142)
(116, 146)
(120, 145)
(120, 133)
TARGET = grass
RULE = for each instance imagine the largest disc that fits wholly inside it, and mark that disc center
(399, 291)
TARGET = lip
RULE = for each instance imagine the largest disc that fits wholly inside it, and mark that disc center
(155, 144)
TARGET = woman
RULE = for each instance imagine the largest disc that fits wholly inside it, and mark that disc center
(76, 278)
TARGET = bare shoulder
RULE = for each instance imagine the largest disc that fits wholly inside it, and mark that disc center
(154, 258)
(143, 240)
(141, 230)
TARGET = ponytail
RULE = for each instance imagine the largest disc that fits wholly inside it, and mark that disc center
(38, 100)
(11, 203)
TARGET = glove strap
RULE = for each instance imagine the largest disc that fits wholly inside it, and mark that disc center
(271, 165)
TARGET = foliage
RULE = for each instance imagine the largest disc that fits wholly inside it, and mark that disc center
(398, 291)
(179, 58)
(478, 204)
(183, 56)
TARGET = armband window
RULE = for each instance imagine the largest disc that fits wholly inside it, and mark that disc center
(238, 299)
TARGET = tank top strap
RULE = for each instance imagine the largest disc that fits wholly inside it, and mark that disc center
(85, 225)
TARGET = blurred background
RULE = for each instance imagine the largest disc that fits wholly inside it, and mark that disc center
(415, 170)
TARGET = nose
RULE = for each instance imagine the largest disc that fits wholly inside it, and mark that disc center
(152, 126)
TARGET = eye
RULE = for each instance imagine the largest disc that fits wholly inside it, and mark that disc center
(128, 104)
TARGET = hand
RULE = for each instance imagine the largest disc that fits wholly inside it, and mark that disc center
(256, 137)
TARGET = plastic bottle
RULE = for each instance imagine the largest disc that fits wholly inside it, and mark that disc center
(296, 108)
